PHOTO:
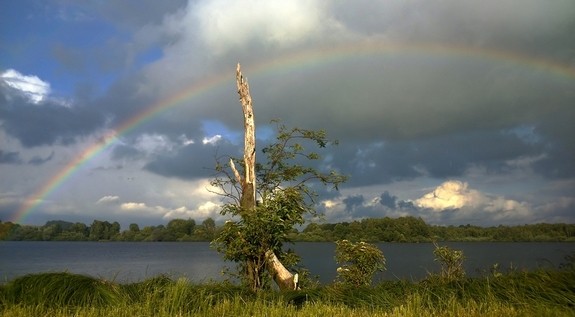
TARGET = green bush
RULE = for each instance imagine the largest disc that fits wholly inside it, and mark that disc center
(451, 263)
(359, 262)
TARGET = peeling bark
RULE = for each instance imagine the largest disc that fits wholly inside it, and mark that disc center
(248, 198)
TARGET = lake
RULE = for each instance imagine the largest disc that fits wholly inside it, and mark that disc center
(135, 261)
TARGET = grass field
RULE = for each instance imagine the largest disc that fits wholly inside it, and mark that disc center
(539, 293)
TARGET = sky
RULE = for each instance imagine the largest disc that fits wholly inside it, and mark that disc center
(458, 112)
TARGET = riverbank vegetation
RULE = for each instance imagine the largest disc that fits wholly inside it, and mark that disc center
(539, 293)
(402, 229)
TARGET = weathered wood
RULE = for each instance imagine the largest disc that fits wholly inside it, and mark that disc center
(283, 278)
(236, 173)
(248, 198)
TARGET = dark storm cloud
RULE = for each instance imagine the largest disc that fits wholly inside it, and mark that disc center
(10, 157)
(406, 205)
(37, 160)
(387, 200)
(451, 155)
(46, 123)
(198, 159)
(192, 161)
(439, 157)
(411, 97)
(512, 24)
(124, 151)
(388, 206)
(129, 97)
(558, 163)
(411, 103)
(52, 121)
(351, 202)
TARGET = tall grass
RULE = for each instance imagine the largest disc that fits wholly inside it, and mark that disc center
(539, 293)
(61, 289)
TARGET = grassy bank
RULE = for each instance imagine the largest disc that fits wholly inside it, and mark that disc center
(540, 293)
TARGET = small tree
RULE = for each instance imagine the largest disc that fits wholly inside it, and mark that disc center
(359, 262)
(451, 263)
(255, 236)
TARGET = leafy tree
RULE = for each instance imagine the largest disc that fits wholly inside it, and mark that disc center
(97, 230)
(50, 232)
(104, 230)
(80, 229)
(209, 227)
(158, 233)
(285, 196)
(131, 234)
(182, 229)
(206, 231)
(6, 230)
(134, 228)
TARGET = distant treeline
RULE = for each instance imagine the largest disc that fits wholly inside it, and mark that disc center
(403, 229)
(411, 229)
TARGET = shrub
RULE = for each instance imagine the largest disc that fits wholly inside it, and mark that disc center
(451, 263)
(359, 262)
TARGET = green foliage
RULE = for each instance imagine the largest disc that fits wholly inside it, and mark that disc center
(266, 228)
(283, 180)
(207, 230)
(451, 263)
(104, 230)
(359, 262)
(412, 229)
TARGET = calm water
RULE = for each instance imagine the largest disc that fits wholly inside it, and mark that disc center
(133, 261)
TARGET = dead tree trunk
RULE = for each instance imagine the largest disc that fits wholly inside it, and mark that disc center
(283, 278)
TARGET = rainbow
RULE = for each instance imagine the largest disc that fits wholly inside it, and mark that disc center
(293, 60)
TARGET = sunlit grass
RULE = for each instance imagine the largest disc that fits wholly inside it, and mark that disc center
(540, 293)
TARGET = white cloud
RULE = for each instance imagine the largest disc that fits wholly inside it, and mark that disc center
(180, 192)
(449, 195)
(204, 210)
(185, 141)
(226, 24)
(130, 206)
(31, 86)
(208, 208)
(108, 200)
(329, 203)
(472, 204)
(181, 212)
(212, 140)
(154, 143)
(211, 36)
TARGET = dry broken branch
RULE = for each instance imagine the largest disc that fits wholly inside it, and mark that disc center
(248, 200)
